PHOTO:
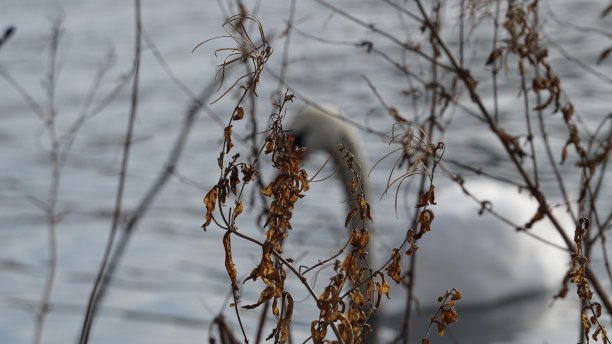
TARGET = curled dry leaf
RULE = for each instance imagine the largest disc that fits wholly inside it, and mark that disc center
(318, 331)
(428, 197)
(284, 320)
(209, 200)
(350, 216)
(238, 210)
(234, 180)
(394, 269)
(229, 263)
(227, 134)
(238, 113)
(248, 172)
(360, 238)
(447, 312)
(265, 295)
(425, 219)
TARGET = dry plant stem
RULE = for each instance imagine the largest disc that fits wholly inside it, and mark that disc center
(466, 79)
(601, 76)
(290, 267)
(405, 334)
(548, 149)
(495, 70)
(413, 257)
(262, 322)
(528, 123)
(91, 306)
(69, 137)
(285, 58)
(157, 186)
(34, 106)
(52, 216)
(390, 37)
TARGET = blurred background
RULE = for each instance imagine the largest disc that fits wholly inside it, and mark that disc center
(172, 281)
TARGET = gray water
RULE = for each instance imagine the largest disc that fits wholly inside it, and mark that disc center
(172, 281)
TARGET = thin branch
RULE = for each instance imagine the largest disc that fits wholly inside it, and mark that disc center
(93, 298)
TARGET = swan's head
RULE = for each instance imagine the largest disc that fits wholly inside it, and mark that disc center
(322, 128)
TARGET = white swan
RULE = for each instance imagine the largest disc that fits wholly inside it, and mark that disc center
(487, 261)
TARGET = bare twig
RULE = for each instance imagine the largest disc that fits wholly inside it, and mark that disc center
(93, 298)
(52, 212)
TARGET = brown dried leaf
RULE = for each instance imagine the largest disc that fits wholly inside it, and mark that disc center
(449, 315)
(394, 269)
(238, 114)
(265, 295)
(493, 56)
(248, 171)
(350, 216)
(209, 200)
(354, 185)
(238, 210)
(318, 331)
(285, 321)
(364, 208)
(229, 264)
(385, 289)
(360, 238)
(350, 263)
(425, 219)
(268, 190)
(220, 159)
(227, 134)
(234, 180)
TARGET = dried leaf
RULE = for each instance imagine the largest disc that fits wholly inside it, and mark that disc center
(350, 263)
(360, 238)
(449, 315)
(318, 331)
(220, 160)
(238, 114)
(234, 180)
(285, 321)
(493, 56)
(354, 185)
(209, 200)
(265, 295)
(425, 219)
(229, 264)
(350, 216)
(238, 210)
(248, 171)
(385, 289)
(394, 269)
(227, 134)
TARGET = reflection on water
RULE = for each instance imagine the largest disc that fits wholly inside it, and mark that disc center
(172, 281)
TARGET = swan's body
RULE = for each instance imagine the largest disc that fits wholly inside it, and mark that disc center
(487, 261)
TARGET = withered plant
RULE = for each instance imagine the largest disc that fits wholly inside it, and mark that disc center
(445, 83)
(356, 290)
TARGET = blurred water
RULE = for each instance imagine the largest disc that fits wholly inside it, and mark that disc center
(172, 268)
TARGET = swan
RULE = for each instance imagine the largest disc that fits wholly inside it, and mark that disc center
(486, 260)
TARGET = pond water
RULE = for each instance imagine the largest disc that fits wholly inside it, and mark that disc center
(172, 281)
